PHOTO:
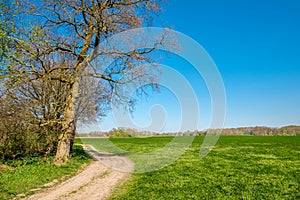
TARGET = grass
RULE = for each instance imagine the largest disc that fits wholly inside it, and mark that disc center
(22, 179)
(239, 167)
(122, 145)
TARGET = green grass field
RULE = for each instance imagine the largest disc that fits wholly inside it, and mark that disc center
(239, 167)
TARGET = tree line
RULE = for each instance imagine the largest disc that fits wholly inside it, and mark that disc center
(258, 130)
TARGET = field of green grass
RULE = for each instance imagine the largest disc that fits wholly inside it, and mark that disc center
(239, 167)
(23, 176)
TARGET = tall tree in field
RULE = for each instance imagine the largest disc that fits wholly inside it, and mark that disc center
(56, 36)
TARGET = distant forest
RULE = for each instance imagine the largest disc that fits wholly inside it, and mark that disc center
(258, 130)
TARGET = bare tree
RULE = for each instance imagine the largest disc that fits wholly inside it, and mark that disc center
(53, 42)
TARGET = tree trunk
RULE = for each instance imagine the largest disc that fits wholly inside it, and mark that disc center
(65, 142)
(66, 139)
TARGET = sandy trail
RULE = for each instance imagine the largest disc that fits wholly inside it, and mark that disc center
(97, 181)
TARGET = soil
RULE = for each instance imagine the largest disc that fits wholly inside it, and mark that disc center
(96, 181)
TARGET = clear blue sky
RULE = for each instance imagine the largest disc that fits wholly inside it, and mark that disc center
(256, 47)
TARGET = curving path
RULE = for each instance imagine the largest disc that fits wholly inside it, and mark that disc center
(97, 181)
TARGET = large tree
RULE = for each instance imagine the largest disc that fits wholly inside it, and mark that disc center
(52, 43)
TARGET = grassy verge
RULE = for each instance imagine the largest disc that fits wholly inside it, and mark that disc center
(239, 167)
(34, 174)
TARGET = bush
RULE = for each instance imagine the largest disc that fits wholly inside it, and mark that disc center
(20, 133)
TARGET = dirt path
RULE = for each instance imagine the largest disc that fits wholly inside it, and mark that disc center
(97, 181)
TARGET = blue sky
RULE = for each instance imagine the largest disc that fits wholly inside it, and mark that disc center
(255, 45)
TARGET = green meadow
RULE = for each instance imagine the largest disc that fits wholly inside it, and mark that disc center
(238, 167)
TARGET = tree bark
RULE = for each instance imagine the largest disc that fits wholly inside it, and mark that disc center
(67, 136)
